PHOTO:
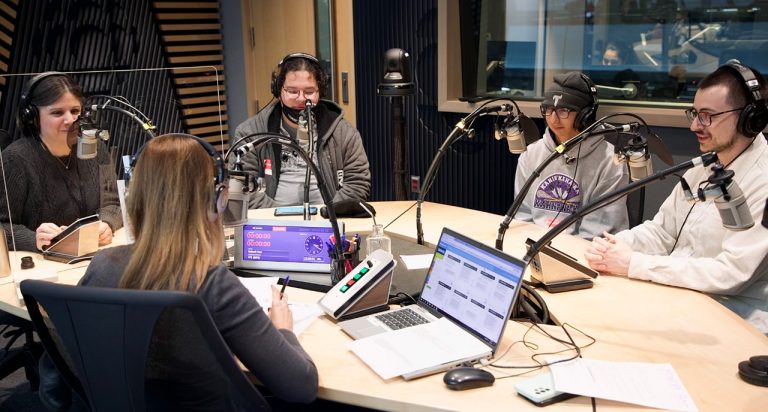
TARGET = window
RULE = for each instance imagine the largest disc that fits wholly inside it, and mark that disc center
(648, 53)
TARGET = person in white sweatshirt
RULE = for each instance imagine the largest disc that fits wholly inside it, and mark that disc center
(686, 244)
(580, 175)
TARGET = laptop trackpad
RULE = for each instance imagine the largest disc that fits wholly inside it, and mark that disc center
(359, 328)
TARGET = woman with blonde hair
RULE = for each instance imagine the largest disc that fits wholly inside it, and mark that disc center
(176, 196)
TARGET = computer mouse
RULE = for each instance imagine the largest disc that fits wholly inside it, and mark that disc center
(463, 378)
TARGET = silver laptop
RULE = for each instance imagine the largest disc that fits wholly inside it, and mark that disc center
(471, 284)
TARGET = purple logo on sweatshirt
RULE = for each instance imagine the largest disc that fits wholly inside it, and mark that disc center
(556, 193)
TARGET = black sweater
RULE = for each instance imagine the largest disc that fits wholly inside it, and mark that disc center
(41, 189)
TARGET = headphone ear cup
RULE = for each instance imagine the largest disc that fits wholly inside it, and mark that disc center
(581, 118)
(753, 120)
(28, 116)
(274, 87)
(220, 200)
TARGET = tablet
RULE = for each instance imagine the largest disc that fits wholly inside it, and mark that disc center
(285, 245)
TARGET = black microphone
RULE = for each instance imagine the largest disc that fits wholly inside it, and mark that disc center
(729, 199)
(305, 136)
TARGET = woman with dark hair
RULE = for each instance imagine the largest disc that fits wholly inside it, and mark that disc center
(180, 248)
(47, 186)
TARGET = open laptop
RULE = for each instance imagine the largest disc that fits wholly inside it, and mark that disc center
(470, 284)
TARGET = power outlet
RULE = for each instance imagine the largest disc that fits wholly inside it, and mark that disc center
(415, 184)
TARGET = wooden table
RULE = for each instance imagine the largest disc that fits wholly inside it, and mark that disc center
(633, 321)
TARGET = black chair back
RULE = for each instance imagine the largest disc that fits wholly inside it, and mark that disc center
(130, 350)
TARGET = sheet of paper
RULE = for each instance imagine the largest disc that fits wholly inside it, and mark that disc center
(398, 352)
(412, 262)
(260, 288)
(303, 313)
(649, 384)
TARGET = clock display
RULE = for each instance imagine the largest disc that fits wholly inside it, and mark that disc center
(313, 244)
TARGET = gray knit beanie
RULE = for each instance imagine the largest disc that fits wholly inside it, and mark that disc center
(570, 90)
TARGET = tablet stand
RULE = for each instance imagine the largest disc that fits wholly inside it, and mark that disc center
(81, 244)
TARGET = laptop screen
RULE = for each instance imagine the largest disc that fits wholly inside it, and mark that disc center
(274, 244)
(472, 284)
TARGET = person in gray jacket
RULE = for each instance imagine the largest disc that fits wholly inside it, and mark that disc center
(280, 170)
(580, 175)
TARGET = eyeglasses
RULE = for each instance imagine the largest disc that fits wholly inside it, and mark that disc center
(294, 93)
(562, 112)
(705, 118)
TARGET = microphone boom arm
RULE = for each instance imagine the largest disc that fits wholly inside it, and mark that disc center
(705, 160)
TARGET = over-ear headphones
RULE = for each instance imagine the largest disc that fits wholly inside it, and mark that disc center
(278, 76)
(755, 370)
(28, 115)
(587, 115)
(220, 174)
(754, 117)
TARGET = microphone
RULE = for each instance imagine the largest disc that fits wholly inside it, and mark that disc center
(729, 199)
(639, 159)
(88, 142)
(510, 129)
(240, 190)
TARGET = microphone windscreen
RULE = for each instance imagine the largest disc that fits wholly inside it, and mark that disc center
(734, 213)
(348, 208)
(640, 166)
(87, 145)
(236, 212)
(515, 139)
(530, 130)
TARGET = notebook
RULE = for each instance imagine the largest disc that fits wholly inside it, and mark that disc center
(469, 285)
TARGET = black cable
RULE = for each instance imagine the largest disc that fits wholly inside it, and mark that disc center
(570, 187)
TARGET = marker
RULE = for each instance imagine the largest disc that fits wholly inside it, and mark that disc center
(285, 283)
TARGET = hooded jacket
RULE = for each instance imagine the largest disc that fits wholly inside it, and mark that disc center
(345, 169)
(571, 181)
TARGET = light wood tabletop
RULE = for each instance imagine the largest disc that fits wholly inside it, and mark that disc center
(632, 321)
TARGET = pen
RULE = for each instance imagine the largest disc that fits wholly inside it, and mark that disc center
(285, 283)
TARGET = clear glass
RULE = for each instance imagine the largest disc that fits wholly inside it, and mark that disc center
(650, 53)
(378, 240)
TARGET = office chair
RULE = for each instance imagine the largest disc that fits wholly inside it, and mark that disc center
(131, 350)
(25, 356)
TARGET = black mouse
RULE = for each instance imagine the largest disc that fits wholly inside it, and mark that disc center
(463, 378)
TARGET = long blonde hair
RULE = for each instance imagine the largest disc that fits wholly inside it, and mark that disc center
(170, 200)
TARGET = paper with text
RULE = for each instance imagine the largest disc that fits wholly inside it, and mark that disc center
(415, 348)
(649, 384)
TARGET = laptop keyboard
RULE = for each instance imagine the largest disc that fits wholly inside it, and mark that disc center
(400, 319)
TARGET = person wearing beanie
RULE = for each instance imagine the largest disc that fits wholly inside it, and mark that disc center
(580, 175)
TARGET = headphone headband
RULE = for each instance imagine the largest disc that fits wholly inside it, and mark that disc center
(278, 76)
(754, 117)
(28, 115)
(220, 174)
(587, 114)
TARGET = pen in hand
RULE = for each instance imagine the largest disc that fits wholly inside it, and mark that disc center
(285, 283)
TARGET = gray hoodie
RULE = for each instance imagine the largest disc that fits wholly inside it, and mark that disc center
(345, 170)
(556, 193)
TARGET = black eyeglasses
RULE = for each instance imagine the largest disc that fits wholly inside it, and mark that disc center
(705, 118)
(562, 112)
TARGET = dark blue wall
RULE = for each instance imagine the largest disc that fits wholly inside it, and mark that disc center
(478, 174)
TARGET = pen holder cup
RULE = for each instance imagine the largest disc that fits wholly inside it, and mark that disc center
(340, 267)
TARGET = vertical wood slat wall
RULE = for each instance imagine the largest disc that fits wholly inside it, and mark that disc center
(8, 12)
(128, 35)
(190, 33)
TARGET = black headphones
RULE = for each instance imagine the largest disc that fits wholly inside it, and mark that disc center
(754, 117)
(28, 115)
(278, 76)
(220, 175)
(587, 115)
